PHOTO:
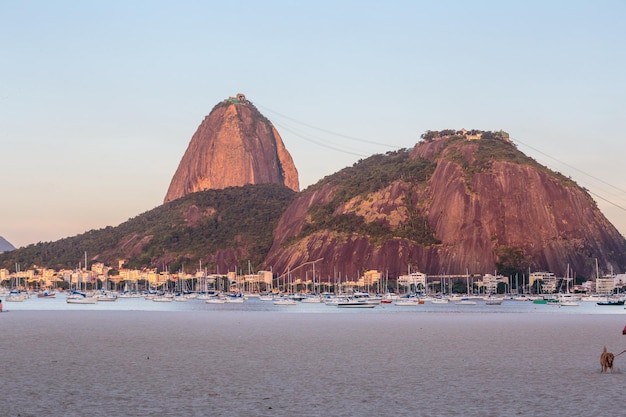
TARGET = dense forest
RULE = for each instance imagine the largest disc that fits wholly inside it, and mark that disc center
(184, 231)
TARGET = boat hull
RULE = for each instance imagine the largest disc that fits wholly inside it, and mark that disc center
(285, 303)
(409, 303)
(85, 300)
(610, 303)
(356, 305)
(215, 301)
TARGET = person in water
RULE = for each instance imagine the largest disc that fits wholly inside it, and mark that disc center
(0, 306)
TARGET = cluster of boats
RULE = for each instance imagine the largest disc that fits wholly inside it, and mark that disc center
(354, 300)
(573, 300)
(365, 300)
(358, 299)
(72, 297)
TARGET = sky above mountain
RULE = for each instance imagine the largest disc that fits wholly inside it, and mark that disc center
(99, 100)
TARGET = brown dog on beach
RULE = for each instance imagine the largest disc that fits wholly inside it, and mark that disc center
(606, 360)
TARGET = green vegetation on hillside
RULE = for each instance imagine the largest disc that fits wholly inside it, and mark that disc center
(236, 217)
(375, 173)
(431, 135)
(490, 150)
(365, 177)
(511, 261)
(490, 147)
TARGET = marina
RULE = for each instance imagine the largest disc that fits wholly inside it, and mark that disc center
(256, 303)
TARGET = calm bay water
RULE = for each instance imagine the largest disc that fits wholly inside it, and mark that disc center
(139, 358)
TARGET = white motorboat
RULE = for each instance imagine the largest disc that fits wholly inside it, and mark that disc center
(408, 302)
(215, 300)
(493, 301)
(16, 296)
(356, 300)
(571, 299)
(366, 298)
(105, 296)
(354, 304)
(80, 298)
(285, 302)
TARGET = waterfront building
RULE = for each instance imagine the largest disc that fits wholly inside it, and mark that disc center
(151, 275)
(414, 279)
(99, 268)
(548, 281)
(620, 282)
(605, 284)
(369, 278)
(490, 283)
(251, 282)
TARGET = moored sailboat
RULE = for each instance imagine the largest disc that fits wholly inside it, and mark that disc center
(76, 297)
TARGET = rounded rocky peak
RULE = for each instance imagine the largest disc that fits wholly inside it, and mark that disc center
(235, 145)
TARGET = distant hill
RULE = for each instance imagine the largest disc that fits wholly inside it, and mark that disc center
(225, 229)
(5, 246)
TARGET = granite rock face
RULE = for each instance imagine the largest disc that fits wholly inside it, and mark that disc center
(235, 145)
(481, 203)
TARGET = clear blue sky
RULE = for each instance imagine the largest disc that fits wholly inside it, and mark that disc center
(99, 100)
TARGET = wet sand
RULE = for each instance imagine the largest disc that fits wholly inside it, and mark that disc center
(146, 363)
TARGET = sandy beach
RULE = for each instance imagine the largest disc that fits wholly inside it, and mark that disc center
(146, 363)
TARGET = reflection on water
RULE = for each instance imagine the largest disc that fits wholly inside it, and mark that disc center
(139, 358)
